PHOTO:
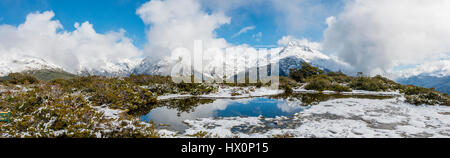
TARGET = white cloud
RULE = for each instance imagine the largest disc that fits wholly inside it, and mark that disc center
(243, 30)
(375, 36)
(330, 21)
(84, 48)
(432, 68)
(286, 40)
(177, 24)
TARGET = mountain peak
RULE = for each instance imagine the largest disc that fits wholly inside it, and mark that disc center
(19, 63)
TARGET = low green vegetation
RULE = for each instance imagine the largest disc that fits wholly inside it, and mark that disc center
(164, 85)
(47, 75)
(69, 106)
(377, 83)
(287, 84)
(316, 79)
(119, 94)
(47, 110)
(35, 76)
(182, 105)
(306, 71)
(202, 134)
(20, 79)
(325, 82)
(418, 96)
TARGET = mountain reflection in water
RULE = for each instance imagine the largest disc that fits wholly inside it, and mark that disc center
(173, 112)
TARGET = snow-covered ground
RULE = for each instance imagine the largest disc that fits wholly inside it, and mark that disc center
(354, 92)
(227, 93)
(108, 112)
(14, 89)
(247, 92)
(349, 117)
(345, 117)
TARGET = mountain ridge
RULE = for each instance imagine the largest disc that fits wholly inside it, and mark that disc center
(289, 56)
(440, 83)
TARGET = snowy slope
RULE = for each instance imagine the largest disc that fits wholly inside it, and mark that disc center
(294, 54)
(150, 66)
(19, 63)
(290, 56)
(112, 69)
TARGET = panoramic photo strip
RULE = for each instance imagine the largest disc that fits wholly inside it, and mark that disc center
(223, 70)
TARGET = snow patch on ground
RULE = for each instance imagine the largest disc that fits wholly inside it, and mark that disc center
(227, 93)
(173, 96)
(221, 127)
(108, 112)
(354, 92)
(341, 118)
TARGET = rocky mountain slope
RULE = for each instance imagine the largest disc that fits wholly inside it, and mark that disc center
(289, 56)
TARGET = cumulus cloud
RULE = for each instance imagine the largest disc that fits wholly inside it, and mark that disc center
(433, 68)
(243, 30)
(177, 24)
(286, 40)
(375, 36)
(40, 36)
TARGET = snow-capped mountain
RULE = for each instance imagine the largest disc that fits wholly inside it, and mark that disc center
(430, 75)
(150, 66)
(19, 63)
(237, 60)
(112, 69)
(440, 83)
(289, 56)
(439, 68)
(295, 53)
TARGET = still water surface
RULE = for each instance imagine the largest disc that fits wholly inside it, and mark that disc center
(173, 112)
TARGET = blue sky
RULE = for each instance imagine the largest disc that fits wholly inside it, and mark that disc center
(112, 15)
(105, 15)
(267, 19)
(379, 36)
